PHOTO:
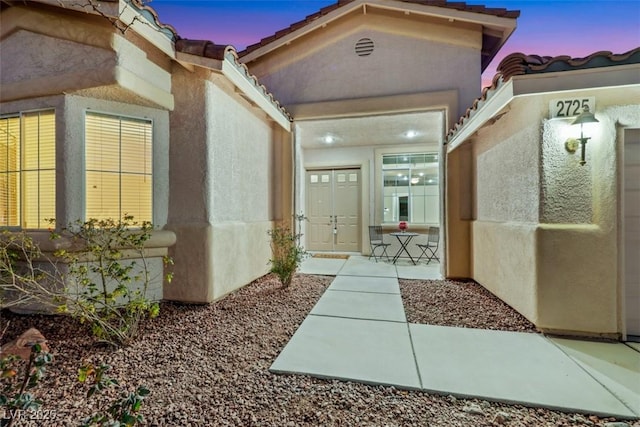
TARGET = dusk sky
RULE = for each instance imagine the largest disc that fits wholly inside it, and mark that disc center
(545, 27)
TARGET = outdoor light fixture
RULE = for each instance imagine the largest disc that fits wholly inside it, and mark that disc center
(328, 139)
(571, 144)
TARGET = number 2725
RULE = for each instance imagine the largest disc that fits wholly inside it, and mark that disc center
(570, 107)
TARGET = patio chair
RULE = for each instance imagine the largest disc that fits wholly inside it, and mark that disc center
(430, 248)
(376, 240)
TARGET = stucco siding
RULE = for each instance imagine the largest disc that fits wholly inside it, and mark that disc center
(223, 156)
(93, 56)
(240, 254)
(577, 280)
(505, 188)
(29, 56)
(424, 65)
(545, 232)
(239, 149)
(40, 71)
(504, 262)
(566, 187)
(507, 170)
(190, 186)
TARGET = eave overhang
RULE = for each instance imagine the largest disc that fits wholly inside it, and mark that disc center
(528, 75)
(224, 59)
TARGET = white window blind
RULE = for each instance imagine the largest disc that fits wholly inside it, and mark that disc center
(118, 158)
(27, 170)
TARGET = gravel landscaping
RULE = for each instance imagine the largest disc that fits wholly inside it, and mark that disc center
(459, 304)
(207, 365)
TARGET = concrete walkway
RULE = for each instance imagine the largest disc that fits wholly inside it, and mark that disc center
(358, 332)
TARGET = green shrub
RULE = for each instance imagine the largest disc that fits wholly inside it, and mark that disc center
(124, 411)
(25, 276)
(287, 251)
(101, 291)
(15, 399)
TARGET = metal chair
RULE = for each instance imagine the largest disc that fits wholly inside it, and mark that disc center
(430, 248)
(376, 240)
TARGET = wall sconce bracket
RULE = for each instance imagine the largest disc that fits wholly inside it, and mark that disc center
(571, 145)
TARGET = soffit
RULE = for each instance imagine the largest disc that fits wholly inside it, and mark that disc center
(387, 130)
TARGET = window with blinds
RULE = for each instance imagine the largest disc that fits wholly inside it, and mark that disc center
(118, 161)
(28, 169)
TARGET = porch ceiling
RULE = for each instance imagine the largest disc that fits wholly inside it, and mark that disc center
(425, 127)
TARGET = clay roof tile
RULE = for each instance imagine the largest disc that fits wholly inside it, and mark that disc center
(518, 64)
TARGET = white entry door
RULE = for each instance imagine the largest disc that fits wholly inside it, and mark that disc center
(333, 209)
(632, 230)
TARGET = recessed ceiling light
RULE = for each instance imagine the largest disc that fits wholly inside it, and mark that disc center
(411, 133)
(328, 139)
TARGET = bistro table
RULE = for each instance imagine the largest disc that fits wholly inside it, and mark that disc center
(404, 238)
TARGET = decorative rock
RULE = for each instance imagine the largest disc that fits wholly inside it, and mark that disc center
(473, 409)
(501, 418)
(21, 346)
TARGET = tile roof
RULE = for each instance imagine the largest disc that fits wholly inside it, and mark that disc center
(149, 12)
(519, 64)
(208, 49)
(461, 6)
(204, 48)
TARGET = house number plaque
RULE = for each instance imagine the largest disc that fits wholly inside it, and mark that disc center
(570, 107)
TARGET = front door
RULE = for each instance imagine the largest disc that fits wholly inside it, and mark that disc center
(333, 209)
(632, 230)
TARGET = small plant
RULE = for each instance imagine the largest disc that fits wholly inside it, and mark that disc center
(287, 251)
(124, 411)
(24, 279)
(14, 395)
(102, 277)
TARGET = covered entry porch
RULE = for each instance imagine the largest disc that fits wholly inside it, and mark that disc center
(359, 165)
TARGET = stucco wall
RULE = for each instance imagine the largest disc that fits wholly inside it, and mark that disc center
(504, 261)
(335, 71)
(240, 155)
(544, 230)
(36, 56)
(223, 185)
(506, 194)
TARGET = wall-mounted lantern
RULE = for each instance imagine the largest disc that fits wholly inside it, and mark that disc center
(571, 144)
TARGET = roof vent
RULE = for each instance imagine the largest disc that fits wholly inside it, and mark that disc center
(364, 47)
